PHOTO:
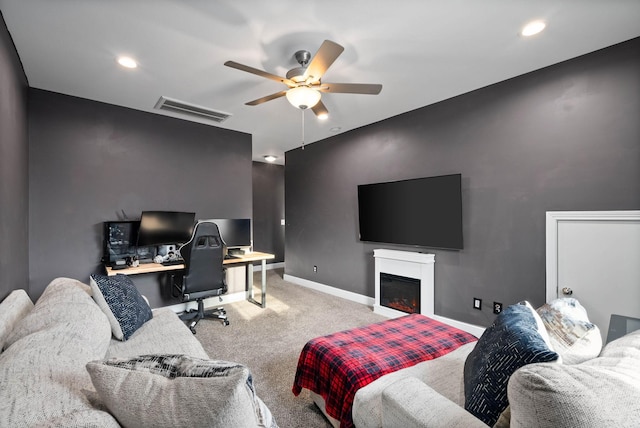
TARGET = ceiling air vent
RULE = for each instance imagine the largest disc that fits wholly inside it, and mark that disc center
(180, 107)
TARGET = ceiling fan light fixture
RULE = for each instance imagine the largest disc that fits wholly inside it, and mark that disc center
(533, 28)
(127, 62)
(303, 97)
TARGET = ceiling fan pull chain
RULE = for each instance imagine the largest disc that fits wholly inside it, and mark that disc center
(302, 110)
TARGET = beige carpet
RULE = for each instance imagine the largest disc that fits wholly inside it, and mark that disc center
(269, 341)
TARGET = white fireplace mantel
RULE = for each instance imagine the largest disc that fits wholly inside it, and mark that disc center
(410, 265)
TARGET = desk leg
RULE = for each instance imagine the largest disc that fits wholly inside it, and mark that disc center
(263, 300)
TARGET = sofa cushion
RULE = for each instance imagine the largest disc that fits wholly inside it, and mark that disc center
(12, 309)
(151, 338)
(602, 392)
(121, 302)
(443, 374)
(42, 372)
(516, 338)
(404, 406)
(571, 334)
(177, 390)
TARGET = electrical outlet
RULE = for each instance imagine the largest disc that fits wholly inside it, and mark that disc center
(477, 303)
(497, 307)
(315, 268)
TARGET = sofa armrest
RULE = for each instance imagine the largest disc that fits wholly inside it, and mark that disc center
(411, 403)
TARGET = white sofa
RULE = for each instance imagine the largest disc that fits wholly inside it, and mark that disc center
(593, 392)
(53, 369)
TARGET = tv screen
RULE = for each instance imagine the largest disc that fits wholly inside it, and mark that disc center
(165, 227)
(235, 232)
(425, 212)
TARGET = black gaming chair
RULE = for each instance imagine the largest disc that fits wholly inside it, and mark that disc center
(204, 274)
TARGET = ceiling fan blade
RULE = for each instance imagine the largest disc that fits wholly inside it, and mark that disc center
(351, 88)
(260, 73)
(319, 109)
(267, 98)
(329, 51)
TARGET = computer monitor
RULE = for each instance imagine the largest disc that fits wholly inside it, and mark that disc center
(620, 325)
(235, 232)
(165, 228)
(119, 240)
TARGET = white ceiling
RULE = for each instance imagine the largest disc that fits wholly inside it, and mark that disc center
(421, 51)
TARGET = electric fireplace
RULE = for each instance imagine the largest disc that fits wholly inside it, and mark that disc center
(400, 293)
(404, 283)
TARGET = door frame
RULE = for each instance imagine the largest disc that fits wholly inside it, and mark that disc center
(553, 219)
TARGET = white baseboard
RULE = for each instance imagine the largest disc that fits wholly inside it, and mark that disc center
(370, 301)
(270, 266)
(327, 289)
(476, 330)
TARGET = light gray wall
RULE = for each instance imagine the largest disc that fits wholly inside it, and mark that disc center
(14, 178)
(92, 162)
(268, 209)
(563, 138)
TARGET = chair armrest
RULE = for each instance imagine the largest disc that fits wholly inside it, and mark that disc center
(410, 403)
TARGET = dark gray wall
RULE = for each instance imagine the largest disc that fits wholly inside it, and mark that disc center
(268, 209)
(92, 162)
(563, 138)
(14, 163)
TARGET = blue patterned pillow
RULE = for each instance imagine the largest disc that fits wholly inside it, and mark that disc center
(516, 338)
(121, 302)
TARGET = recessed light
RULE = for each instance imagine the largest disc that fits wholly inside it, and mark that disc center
(323, 116)
(270, 158)
(533, 28)
(335, 129)
(127, 62)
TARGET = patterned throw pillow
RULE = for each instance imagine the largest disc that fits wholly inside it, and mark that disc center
(178, 390)
(121, 302)
(516, 338)
(571, 333)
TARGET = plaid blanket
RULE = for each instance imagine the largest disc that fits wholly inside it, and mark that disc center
(337, 365)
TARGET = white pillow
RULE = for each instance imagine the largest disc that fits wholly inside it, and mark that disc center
(176, 390)
(571, 334)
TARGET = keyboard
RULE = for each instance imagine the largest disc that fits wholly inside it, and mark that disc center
(172, 262)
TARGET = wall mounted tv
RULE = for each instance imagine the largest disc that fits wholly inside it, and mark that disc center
(424, 212)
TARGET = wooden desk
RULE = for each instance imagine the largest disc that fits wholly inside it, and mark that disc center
(245, 260)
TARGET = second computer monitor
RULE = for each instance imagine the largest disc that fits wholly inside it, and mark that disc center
(235, 232)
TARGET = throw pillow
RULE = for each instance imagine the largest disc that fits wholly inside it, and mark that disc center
(12, 309)
(514, 340)
(601, 392)
(121, 302)
(177, 390)
(572, 335)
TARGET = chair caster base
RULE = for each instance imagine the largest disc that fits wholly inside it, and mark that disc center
(192, 327)
(225, 322)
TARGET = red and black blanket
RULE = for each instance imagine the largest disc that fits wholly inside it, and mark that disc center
(337, 365)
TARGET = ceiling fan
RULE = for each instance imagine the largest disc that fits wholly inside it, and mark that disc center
(305, 82)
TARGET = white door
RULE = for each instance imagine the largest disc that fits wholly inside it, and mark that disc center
(595, 257)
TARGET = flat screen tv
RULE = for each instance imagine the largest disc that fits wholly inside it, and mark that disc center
(424, 212)
(165, 228)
